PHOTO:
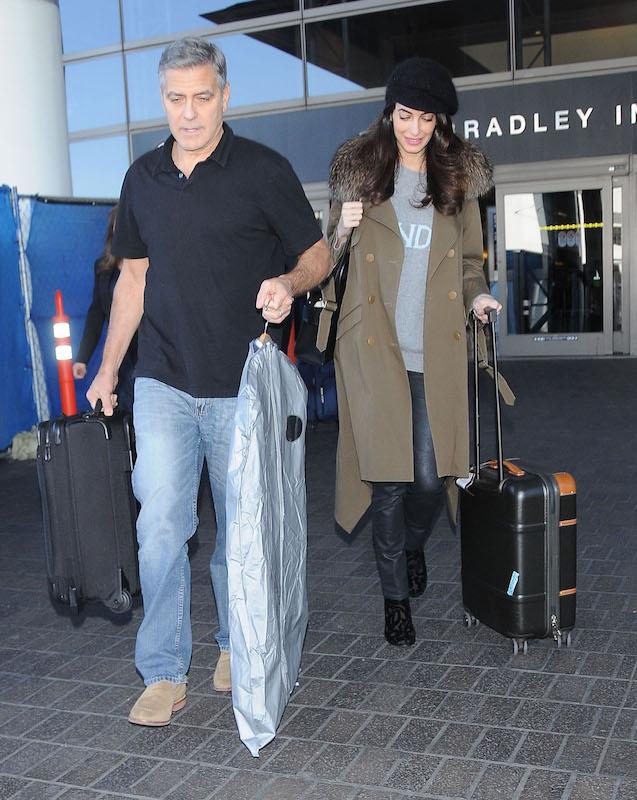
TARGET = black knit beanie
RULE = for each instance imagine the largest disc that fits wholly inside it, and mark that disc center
(423, 84)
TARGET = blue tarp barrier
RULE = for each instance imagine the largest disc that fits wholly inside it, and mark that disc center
(60, 242)
(17, 406)
(64, 241)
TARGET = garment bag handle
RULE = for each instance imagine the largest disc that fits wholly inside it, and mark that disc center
(493, 316)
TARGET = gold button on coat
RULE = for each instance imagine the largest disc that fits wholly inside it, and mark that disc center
(457, 336)
(452, 295)
(369, 258)
(451, 253)
(370, 340)
(371, 299)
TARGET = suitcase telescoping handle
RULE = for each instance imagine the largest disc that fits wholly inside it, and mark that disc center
(493, 316)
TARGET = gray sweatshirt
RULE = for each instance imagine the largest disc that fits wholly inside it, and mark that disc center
(415, 227)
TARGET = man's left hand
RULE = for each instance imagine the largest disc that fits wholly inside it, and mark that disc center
(275, 298)
(483, 302)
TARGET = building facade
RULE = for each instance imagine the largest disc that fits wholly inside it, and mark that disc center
(548, 89)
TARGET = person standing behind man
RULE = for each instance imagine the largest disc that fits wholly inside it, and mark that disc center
(204, 223)
(107, 269)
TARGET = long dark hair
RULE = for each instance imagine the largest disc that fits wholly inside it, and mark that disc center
(445, 181)
(107, 261)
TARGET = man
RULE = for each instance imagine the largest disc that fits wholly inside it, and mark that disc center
(203, 224)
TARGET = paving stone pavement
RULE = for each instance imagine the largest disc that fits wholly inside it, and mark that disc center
(455, 716)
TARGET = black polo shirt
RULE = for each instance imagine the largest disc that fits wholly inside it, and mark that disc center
(211, 239)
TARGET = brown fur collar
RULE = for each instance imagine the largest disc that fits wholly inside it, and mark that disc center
(347, 171)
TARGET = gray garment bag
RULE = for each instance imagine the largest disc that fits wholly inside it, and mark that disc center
(266, 541)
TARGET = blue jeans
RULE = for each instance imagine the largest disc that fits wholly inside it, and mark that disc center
(174, 432)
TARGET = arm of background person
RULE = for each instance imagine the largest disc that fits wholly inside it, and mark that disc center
(92, 330)
(126, 314)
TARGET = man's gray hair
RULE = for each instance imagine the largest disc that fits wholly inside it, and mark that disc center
(193, 52)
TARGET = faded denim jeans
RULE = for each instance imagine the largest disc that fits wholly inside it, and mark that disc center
(174, 432)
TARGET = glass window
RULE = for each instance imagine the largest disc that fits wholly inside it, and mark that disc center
(95, 93)
(264, 67)
(321, 3)
(145, 19)
(361, 51)
(143, 141)
(572, 31)
(554, 262)
(144, 98)
(86, 26)
(98, 166)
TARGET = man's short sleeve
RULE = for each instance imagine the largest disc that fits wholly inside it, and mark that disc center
(127, 242)
(289, 211)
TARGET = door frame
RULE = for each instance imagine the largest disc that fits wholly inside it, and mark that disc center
(319, 196)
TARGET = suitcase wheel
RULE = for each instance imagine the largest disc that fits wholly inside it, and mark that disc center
(469, 620)
(563, 638)
(65, 593)
(121, 603)
(520, 646)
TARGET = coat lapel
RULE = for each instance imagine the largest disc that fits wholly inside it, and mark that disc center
(383, 214)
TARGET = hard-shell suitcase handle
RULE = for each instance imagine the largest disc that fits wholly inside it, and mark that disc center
(514, 469)
(493, 317)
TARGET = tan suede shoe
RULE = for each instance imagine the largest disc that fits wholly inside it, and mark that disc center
(157, 703)
(222, 682)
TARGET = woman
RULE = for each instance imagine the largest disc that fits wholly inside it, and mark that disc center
(404, 197)
(107, 269)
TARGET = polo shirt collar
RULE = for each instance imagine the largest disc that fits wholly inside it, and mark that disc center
(220, 154)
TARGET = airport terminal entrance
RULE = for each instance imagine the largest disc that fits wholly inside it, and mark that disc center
(557, 246)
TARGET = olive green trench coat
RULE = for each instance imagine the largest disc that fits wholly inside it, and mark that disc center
(374, 400)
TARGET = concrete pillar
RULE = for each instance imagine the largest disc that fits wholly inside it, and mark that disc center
(34, 153)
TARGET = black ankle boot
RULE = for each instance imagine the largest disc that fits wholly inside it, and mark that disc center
(399, 628)
(416, 572)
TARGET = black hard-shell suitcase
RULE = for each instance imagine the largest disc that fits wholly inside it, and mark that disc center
(84, 465)
(518, 542)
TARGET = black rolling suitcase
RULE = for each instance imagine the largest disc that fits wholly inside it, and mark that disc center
(518, 539)
(84, 465)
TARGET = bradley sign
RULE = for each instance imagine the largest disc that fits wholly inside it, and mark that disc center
(565, 118)
(513, 123)
(560, 120)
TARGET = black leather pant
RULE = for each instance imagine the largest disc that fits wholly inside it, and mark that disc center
(403, 514)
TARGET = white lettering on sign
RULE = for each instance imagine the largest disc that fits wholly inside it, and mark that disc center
(537, 128)
(562, 119)
(517, 124)
(584, 115)
(494, 127)
(619, 114)
(471, 128)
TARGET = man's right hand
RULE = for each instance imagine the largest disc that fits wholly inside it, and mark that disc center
(102, 389)
(351, 216)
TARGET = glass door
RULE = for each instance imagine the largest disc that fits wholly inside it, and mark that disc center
(555, 267)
